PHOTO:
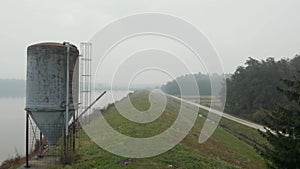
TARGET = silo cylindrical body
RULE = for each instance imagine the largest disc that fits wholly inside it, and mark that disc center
(46, 86)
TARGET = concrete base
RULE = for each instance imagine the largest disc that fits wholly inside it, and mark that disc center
(43, 163)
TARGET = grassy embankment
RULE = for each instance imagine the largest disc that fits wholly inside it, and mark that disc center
(224, 149)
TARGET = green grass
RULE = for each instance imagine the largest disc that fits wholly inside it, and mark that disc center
(223, 150)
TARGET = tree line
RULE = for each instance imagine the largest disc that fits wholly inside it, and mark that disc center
(187, 82)
(268, 92)
(253, 88)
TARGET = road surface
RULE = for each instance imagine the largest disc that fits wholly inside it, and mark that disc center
(227, 116)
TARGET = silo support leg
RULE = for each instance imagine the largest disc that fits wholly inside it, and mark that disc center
(41, 146)
(74, 132)
(27, 141)
(64, 142)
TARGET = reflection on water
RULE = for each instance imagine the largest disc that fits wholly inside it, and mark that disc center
(12, 122)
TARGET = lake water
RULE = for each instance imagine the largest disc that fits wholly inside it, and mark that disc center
(12, 122)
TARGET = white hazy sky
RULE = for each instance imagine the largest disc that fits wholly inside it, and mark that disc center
(238, 29)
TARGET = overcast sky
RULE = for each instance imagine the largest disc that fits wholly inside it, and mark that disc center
(237, 29)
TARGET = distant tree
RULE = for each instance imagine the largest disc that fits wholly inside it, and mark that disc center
(283, 130)
(203, 82)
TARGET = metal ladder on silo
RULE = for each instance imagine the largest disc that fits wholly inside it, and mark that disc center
(85, 72)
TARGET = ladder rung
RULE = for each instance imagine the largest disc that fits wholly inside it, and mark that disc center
(86, 59)
(85, 75)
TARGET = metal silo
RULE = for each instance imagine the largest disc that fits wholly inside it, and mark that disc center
(46, 86)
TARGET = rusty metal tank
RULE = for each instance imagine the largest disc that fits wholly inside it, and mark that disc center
(46, 86)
